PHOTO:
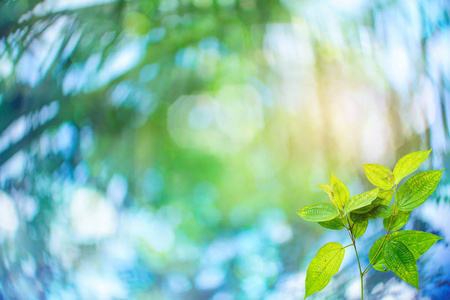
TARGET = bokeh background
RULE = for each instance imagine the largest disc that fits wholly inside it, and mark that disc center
(160, 149)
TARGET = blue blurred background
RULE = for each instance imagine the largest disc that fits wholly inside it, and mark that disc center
(160, 149)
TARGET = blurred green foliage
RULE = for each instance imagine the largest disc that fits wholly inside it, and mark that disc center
(185, 134)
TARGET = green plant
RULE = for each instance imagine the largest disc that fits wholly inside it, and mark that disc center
(396, 250)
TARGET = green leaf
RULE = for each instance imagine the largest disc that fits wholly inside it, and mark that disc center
(400, 220)
(418, 242)
(359, 217)
(339, 192)
(409, 163)
(401, 261)
(335, 224)
(380, 211)
(318, 212)
(333, 179)
(364, 209)
(383, 198)
(361, 200)
(323, 266)
(359, 228)
(378, 263)
(416, 190)
(381, 266)
(325, 187)
(379, 176)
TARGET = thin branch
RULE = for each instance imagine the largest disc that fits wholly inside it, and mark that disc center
(381, 246)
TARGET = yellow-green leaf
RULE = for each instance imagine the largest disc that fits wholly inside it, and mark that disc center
(401, 261)
(359, 228)
(400, 220)
(379, 176)
(361, 200)
(323, 266)
(339, 192)
(416, 190)
(328, 189)
(384, 197)
(409, 163)
(325, 187)
(335, 224)
(333, 179)
(318, 212)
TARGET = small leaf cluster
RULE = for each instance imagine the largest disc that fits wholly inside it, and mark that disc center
(396, 250)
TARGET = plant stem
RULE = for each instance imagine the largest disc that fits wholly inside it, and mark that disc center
(361, 275)
(360, 272)
(362, 287)
(370, 265)
(367, 271)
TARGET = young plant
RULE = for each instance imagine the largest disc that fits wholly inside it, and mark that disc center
(396, 250)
